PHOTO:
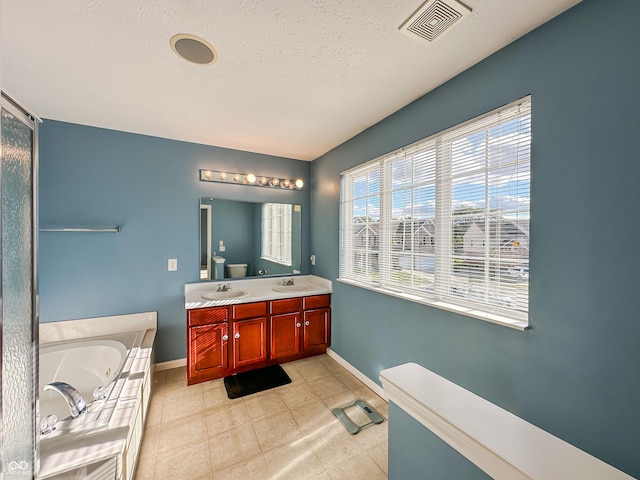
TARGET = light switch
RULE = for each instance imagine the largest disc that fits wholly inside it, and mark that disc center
(172, 265)
(313, 259)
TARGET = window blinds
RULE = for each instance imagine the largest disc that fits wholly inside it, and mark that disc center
(446, 218)
(276, 233)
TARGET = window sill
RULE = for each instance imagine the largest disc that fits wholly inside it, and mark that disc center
(273, 260)
(451, 307)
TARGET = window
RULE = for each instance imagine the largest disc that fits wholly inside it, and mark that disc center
(276, 233)
(445, 221)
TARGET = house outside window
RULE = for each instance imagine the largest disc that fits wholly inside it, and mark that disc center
(276, 233)
(445, 221)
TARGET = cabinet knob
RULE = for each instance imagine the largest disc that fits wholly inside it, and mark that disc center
(307, 323)
(237, 335)
(225, 337)
(298, 325)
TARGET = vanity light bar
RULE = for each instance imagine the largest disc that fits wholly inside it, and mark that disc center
(250, 179)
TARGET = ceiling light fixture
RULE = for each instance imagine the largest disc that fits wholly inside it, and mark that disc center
(193, 49)
(250, 179)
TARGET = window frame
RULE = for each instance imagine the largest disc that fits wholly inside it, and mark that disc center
(357, 262)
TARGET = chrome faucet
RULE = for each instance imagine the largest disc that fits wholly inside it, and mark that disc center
(288, 282)
(224, 288)
(76, 403)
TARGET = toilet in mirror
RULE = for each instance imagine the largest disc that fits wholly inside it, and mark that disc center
(244, 239)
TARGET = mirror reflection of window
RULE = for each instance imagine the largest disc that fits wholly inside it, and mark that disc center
(276, 233)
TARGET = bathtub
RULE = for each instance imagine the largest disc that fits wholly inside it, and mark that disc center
(115, 353)
(88, 364)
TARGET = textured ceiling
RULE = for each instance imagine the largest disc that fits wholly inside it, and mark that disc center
(295, 78)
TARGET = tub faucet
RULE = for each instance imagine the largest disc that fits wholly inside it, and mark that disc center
(287, 283)
(224, 288)
(76, 403)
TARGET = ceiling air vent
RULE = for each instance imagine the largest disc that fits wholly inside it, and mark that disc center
(434, 18)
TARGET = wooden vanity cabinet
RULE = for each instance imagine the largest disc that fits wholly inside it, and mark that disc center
(299, 327)
(286, 326)
(316, 324)
(249, 322)
(222, 341)
(207, 348)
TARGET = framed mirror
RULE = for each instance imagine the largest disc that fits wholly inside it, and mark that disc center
(239, 239)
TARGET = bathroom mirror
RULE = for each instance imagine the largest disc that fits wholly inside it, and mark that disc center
(263, 236)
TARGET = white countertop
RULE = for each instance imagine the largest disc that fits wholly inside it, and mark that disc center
(255, 290)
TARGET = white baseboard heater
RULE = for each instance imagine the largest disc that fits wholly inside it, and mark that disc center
(498, 442)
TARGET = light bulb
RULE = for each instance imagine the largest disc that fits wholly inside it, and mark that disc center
(237, 177)
(262, 181)
(285, 183)
(207, 174)
(274, 182)
(222, 176)
(251, 178)
(299, 183)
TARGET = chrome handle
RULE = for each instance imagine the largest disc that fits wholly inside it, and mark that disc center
(298, 325)
(237, 335)
(225, 337)
(307, 323)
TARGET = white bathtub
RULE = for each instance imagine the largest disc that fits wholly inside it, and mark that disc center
(85, 364)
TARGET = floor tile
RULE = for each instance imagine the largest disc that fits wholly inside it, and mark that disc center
(180, 433)
(313, 416)
(380, 455)
(313, 371)
(285, 433)
(185, 465)
(276, 430)
(361, 467)
(296, 394)
(182, 406)
(293, 461)
(226, 417)
(233, 446)
(146, 468)
(337, 447)
(267, 404)
(326, 387)
(254, 468)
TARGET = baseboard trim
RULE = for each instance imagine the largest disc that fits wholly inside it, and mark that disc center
(180, 362)
(377, 389)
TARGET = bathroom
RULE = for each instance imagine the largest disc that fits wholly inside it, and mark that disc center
(572, 373)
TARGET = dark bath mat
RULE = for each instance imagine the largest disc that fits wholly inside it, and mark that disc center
(255, 381)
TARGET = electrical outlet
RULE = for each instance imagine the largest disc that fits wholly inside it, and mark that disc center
(172, 265)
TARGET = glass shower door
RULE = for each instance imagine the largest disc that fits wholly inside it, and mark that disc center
(18, 314)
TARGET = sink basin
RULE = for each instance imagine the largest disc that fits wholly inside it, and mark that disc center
(223, 295)
(292, 288)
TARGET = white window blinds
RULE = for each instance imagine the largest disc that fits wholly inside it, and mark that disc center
(447, 218)
(276, 233)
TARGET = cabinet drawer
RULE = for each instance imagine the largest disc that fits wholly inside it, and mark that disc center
(287, 305)
(249, 310)
(317, 301)
(207, 316)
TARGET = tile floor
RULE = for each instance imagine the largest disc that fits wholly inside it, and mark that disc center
(289, 432)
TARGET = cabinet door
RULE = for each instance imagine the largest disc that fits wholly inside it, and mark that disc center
(207, 352)
(249, 341)
(316, 330)
(285, 335)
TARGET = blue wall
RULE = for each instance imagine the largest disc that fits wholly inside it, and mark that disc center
(233, 223)
(148, 186)
(575, 373)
